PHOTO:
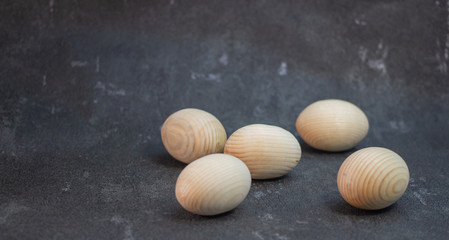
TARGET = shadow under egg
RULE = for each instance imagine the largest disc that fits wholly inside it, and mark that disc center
(166, 160)
(343, 208)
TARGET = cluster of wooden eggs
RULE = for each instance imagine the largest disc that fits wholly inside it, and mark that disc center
(219, 171)
(214, 182)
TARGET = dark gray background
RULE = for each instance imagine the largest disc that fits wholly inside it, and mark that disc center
(86, 85)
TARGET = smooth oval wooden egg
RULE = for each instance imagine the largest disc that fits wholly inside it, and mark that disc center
(189, 134)
(213, 184)
(332, 125)
(268, 151)
(373, 178)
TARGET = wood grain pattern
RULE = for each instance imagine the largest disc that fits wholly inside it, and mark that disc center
(268, 151)
(332, 125)
(213, 184)
(373, 178)
(190, 133)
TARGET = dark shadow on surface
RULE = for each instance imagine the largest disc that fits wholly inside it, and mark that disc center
(164, 159)
(307, 148)
(184, 215)
(269, 180)
(154, 152)
(222, 215)
(344, 208)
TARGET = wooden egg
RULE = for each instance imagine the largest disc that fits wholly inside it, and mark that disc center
(332, 125)
(268, 151)
(213, 184)
(373, 178)
(190, 133)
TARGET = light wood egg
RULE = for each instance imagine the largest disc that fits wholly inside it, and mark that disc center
(268, 151)
(373, 178)
(213, 184)
(332, 125)
(189, 134)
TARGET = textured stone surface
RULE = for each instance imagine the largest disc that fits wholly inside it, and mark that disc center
(86, 85)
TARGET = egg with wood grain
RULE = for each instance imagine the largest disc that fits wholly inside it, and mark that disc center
(332, 125)
(213, 184)
(373, 178)
(189, 134)
(268, 151)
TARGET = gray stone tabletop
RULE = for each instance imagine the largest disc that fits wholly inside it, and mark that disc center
(86, 85)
